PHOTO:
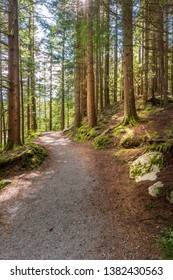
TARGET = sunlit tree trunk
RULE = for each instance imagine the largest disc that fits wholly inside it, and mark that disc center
(78, 74)
(32, 57)
(90, 64)
(13, 74)
(51, 90)
(63, 84)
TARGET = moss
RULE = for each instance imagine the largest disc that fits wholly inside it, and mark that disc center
(129, 142)
(85, 133)
(130, 120)
(101, 142)
(119, 152)
(34, 156)
(119, 131)
(28, 157)
(1, 184)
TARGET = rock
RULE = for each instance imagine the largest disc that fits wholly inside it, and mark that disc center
(170, 197)
(4, 183)
(68, 128)
(156, 189)
(146, 167)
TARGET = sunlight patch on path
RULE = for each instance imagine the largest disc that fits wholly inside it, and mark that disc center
(54, 139)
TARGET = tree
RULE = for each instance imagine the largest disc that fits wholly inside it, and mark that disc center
(130, 115)
(13, 75)
(92, 120)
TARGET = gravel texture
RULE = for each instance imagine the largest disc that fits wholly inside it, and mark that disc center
(56, 211)
(79, 204)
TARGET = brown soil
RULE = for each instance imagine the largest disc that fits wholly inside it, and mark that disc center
(81, 204)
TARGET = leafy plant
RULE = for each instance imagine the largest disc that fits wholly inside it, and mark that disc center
(101, 142)
(165, 243)
(165, 147)
(85, 133)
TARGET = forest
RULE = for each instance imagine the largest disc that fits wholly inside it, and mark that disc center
(98, 70)
(64, 61)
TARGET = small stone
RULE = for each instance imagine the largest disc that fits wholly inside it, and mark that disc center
(156, 189)
(6, 183)
(170, 197)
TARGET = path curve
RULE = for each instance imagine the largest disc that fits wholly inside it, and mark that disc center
(63, 210)
(50, 212)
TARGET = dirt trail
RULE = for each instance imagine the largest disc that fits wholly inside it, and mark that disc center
(70, 208)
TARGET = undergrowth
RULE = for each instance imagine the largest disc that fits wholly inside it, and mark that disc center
(165, 243)
(84, 133)
(28, 157)
(101, 142)
(165, 147)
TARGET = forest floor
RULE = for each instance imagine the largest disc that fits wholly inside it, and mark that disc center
(81, 204)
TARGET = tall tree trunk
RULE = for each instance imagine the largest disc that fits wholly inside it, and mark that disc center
(116, 61)
(146, 51)
(78, 73)
(63, 84)
(107, 43)
(51, 90)
(13, 74)
(32, 57)
(90, 65)
(22, 101)
(130, 115)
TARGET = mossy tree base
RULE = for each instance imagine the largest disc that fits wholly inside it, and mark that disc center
(130, 120)
(11, 146)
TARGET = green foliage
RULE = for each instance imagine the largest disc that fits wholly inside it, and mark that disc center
(165, 243)
(34, 156)
(140, 169)
(149, 206)
(165, 147)
(129, 143)
(31, 136)
(101, 142)
(28, 157)
(1, 184)
(137, 171)
(119, 131)
(149, 135)
(85, 133)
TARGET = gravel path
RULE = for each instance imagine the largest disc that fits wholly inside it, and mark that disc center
(59, 211)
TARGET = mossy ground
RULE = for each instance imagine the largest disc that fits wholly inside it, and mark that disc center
(26, 157)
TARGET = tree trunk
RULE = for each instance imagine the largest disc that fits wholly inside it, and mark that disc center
(130, 115)
(51, 90)
(90, 71)
(116, 61)
(146, 52)
(107, 43)
(13, 74)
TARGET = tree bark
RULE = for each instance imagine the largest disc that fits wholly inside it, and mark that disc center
(130, 115)
(13, 74)
(90, 65)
